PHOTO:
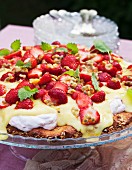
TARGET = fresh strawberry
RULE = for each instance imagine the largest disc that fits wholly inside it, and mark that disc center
(20, 75)
(2, 89)
(46, 78)
(129, 67)
(85, 77)
(98, 58)
(79, 87)
(113, 84)
(106, 57)
(58, 96)
(27, 55)
(50, 85)
(36, 52)
(104, 77)
(32, 60)
(12, 96)
(25, 104)
(40, 94)
(34, 73)
(70, 61)
(98, 97)
(25, 83)
(48, 58)
(56, 43)
(43, 67)
(4, 63)
(126, 78)
(117, 65)
(9, 76)
(89, 116)
(13, 55)
(101, 66)
(83, 100)
(109, 68)
(56, 69)
(75, 95)
(61, 86)
(25, 48)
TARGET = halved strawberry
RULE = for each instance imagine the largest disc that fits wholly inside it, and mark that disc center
(13, 55)
(2, 89)
(89, 116)
(46, 78)
(25, 48)
(98, 58)
(4, 63)
(40, 94)
(12, 96)
(27, 55)
(58, 96)
(56, 69)
(36, 52)
(113, 84)
(46, 99)
(79, 87)
(98, 97)
(109, 68)
(48, 58)
(126, 78)
(61, 86)
(129, 67)
(25, 83)
(50, 85)
(32, 60)
(85, 77)
(117, 65)
(70, 61)
(56, 43)
(9, 76)
(43, 67)
(25, 104)
(83, 100)
(104, 77)
(101, 66)
(34, 73)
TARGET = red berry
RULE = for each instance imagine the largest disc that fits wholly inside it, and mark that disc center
(2, 89)
(46, 78)
(104, 77)
(117, 65)
(70, 61)
(32, 60)
(9, 76)
(83, 100)
(58, 96)
(85, 77)
(12, 96)
(98, 58)
(50, 85)
(56, 43)
(34, 73)
(25, 83)
(40, 94)
(61, 86)
(129, 67)
(48, 58)
(13, 55)
(109, 68)
(98, 97)
(36, 52)
(89, 116)
(113, 84)
(25, 104)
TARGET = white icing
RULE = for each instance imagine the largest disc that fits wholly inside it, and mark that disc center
(117, 106)
(27, 123)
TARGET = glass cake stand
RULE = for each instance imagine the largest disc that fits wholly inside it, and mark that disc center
(35, 144)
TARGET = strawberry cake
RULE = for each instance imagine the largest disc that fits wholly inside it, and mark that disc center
(63, 91)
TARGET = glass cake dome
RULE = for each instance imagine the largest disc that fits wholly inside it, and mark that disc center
(81, 28)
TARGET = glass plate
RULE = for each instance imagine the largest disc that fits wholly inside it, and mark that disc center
(43, 143)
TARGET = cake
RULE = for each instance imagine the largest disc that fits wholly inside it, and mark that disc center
(64, 91)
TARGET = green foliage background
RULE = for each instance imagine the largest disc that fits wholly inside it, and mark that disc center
(22, 12)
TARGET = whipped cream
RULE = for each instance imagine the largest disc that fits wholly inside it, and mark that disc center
(27, 123)
(117, 106)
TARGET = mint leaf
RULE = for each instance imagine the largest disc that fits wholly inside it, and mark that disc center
(45, 46)
(101, 46)
(61, 49)
(72, 47)
(15, 46)
(25, 92)
(95, 83)
(73, 73)
(129, 93)
(4, 52)
(20, 63)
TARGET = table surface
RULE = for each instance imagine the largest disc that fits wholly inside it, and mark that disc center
(25, 34)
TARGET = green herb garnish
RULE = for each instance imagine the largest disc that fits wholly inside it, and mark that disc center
(25, 92)
(73, 73)
(129, 93)
(72, 47)
(15, 46)
(101, 46)
(45, 46)
(20, 63)
(95, 83)
(4, 52)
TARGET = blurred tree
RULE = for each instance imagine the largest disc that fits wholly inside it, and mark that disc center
(23, 12)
